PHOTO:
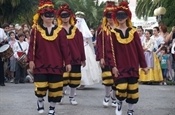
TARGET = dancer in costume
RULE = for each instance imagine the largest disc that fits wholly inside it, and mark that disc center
(66, 18)
(103, 39)
(47, 52)
(91, 73)
(129, 56)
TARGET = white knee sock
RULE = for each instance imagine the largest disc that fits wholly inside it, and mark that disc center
(64, 89)
(52, 107)
(113, 94)
(72, 92)
(107, 91)
(52, 104)
(41, 101)
(130, 106)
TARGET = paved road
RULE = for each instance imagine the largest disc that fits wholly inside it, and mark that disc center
(19, 99)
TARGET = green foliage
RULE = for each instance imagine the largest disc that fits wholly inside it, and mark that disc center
(93, 11)
(16, 10)
(13, 3)
(22, 11)
(169, 17)
(146, 8)
(26, 10)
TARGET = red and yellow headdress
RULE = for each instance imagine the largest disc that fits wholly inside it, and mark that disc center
(44, 6)
(123, 6)
(65, 7)
(109, 8)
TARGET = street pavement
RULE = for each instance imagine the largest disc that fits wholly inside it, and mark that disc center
(19, 99)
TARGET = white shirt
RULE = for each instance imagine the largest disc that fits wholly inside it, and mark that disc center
(148, 44)
(3, 35)
(16, 47)
(173, 47)
(12, 43)
(157, 41)
(142, 38)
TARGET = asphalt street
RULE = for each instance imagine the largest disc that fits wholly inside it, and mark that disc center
(19, 99)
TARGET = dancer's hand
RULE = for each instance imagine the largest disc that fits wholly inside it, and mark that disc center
(83, 63)
(31, 66)
(115, 72)
(145, 70)
(102, 63)
(68, 68)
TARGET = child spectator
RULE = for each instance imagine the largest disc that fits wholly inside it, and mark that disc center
(12, 58)
(164, 61)
(21, 49)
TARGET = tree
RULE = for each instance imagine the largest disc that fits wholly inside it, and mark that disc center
(6, 8)
(93, 10)
(169, 17)
(21, 10)
(26, 10)
(145, 8)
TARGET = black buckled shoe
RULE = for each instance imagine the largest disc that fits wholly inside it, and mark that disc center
(40, 105)
(51, 111)
(130, 112)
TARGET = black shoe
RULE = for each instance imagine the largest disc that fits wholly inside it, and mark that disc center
(130, 112)
(118, 110)
(40, 108)
(16, 82)
(21, 81)
(2, 84)
(51, 111)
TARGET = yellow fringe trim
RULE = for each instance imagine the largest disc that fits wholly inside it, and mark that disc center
(125, 40)
(72, 33)
(49, 38)
(45, 6)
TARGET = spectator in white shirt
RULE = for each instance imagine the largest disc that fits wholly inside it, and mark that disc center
(12, 60)
(3, 39)
(140, 31)
(158, 40)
